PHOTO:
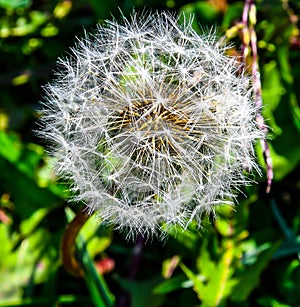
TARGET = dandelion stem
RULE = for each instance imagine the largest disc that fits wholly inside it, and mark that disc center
(136, 258)
(68, 244)
(137, 254)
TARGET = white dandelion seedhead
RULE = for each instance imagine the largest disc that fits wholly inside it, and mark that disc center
(151, 123)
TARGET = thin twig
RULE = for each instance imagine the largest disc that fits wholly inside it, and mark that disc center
(250, 48)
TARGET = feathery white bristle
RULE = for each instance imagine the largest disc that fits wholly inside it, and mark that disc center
(151, 123)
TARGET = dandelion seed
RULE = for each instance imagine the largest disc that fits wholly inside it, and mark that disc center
(151, 124)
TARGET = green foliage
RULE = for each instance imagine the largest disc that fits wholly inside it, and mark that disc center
(19, 164)
(14, 4)
(248, 256)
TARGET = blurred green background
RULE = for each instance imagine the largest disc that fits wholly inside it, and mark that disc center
(248, 256)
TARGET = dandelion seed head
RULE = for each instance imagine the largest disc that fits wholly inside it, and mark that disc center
(151, 123)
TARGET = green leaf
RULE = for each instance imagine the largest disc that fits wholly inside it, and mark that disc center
(170, 285)
(18, 164)
(213, 283)
(95, 282)
(69, 300)
(270, 301)
(205, 13)
(272, 92)
(97, 237)
(142, 293)
(285, 153)
(249, 278)
(287, 76)
(289, 286)
(197, 280)
(26, 264)
(186, 238)
(14, 4)
(10, 147)
(232, 13)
